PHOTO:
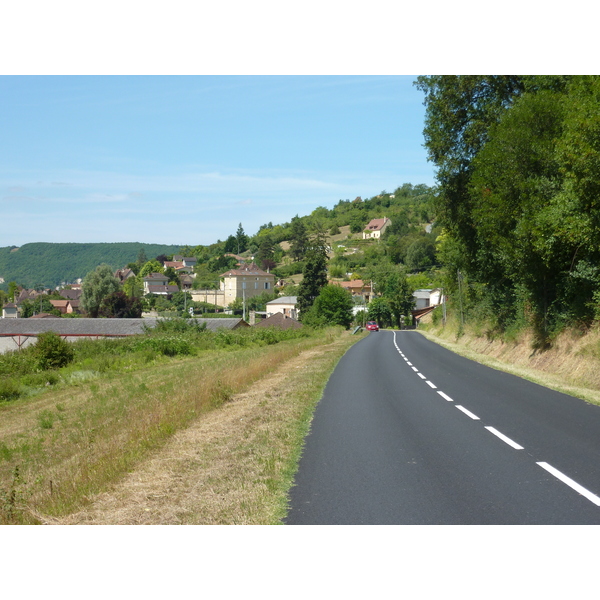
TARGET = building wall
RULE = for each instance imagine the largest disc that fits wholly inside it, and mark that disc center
(216, 297)
(246, 286)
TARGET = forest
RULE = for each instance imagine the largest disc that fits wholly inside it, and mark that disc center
(47, 265)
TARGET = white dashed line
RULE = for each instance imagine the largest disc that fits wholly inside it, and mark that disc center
(467, 412)
(421, 376)
(504, 438)
(445, 396)
(431, 385)
(572, 484)
(415, 369)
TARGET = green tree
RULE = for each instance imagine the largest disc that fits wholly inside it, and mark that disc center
(333, 306)
(241, 239)
(13, 290)
(151, 266)
(96, 285)
(459, 112)
(266, 253)
(379, 310)
(314, 278)
(118, 305)
(299, 241)
(420, 254)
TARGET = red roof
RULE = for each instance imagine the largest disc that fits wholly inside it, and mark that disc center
(376, 224)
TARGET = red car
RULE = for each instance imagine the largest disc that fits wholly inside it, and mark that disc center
(372, 326)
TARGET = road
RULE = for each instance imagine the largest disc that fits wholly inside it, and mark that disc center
(408, 432)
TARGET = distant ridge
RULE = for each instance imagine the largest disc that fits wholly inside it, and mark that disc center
(51, 264)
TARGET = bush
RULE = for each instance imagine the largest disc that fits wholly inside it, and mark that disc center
(9, 390)
(52, 352)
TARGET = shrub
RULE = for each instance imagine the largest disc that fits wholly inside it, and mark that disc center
(52, 351)
(9, 390)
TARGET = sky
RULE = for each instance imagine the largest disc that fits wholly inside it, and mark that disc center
(185, 159)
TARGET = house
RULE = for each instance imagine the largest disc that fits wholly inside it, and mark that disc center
(123, 274)
(9, 311)
(286, 305)
(280, 321)
(186, 261)
(246, 281)
(425, 298)
(179, 267)
(375, 228)
(357, 287)
(66, 307)
(158, 283)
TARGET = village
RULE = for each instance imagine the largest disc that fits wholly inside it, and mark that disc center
(237, 286)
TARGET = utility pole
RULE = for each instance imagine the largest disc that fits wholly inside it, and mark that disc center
(459, 277)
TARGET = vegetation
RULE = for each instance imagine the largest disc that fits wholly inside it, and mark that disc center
(333, 306)
(50, 265)
(98, 416)
(518, 162)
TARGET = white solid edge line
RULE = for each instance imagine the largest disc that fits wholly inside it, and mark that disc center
(504, 438)
(431, 385)
(572, 484)
(467, 412)
(421, 376)
(445, 396)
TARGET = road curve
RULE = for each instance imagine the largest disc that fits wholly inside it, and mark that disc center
(408, 432)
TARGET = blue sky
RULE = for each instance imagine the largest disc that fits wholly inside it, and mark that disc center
(185, 159)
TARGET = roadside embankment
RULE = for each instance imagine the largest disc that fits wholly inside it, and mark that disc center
(571, 365)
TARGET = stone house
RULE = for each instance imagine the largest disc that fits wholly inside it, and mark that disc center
(246, 281)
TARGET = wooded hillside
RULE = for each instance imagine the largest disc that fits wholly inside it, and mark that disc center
(49, 265)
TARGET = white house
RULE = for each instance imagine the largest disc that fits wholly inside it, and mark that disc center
(375, 228)
(9, 311)
(286, 305)
(425, 298)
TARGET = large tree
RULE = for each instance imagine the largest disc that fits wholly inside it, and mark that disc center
(97, 285)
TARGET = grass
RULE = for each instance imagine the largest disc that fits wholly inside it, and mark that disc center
(64, 446)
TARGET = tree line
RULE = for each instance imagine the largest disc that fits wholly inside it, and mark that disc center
(518, 167)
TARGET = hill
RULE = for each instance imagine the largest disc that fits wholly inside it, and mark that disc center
(49, 265)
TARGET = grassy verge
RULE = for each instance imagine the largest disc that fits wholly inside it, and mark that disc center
(571, 365)
(63, 447)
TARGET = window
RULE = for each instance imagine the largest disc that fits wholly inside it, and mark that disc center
(267, 285)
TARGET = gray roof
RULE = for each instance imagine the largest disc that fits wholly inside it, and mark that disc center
(75, 326)
(100, 327)
(284, 300)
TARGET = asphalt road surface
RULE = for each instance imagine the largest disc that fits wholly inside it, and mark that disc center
(408, 432)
